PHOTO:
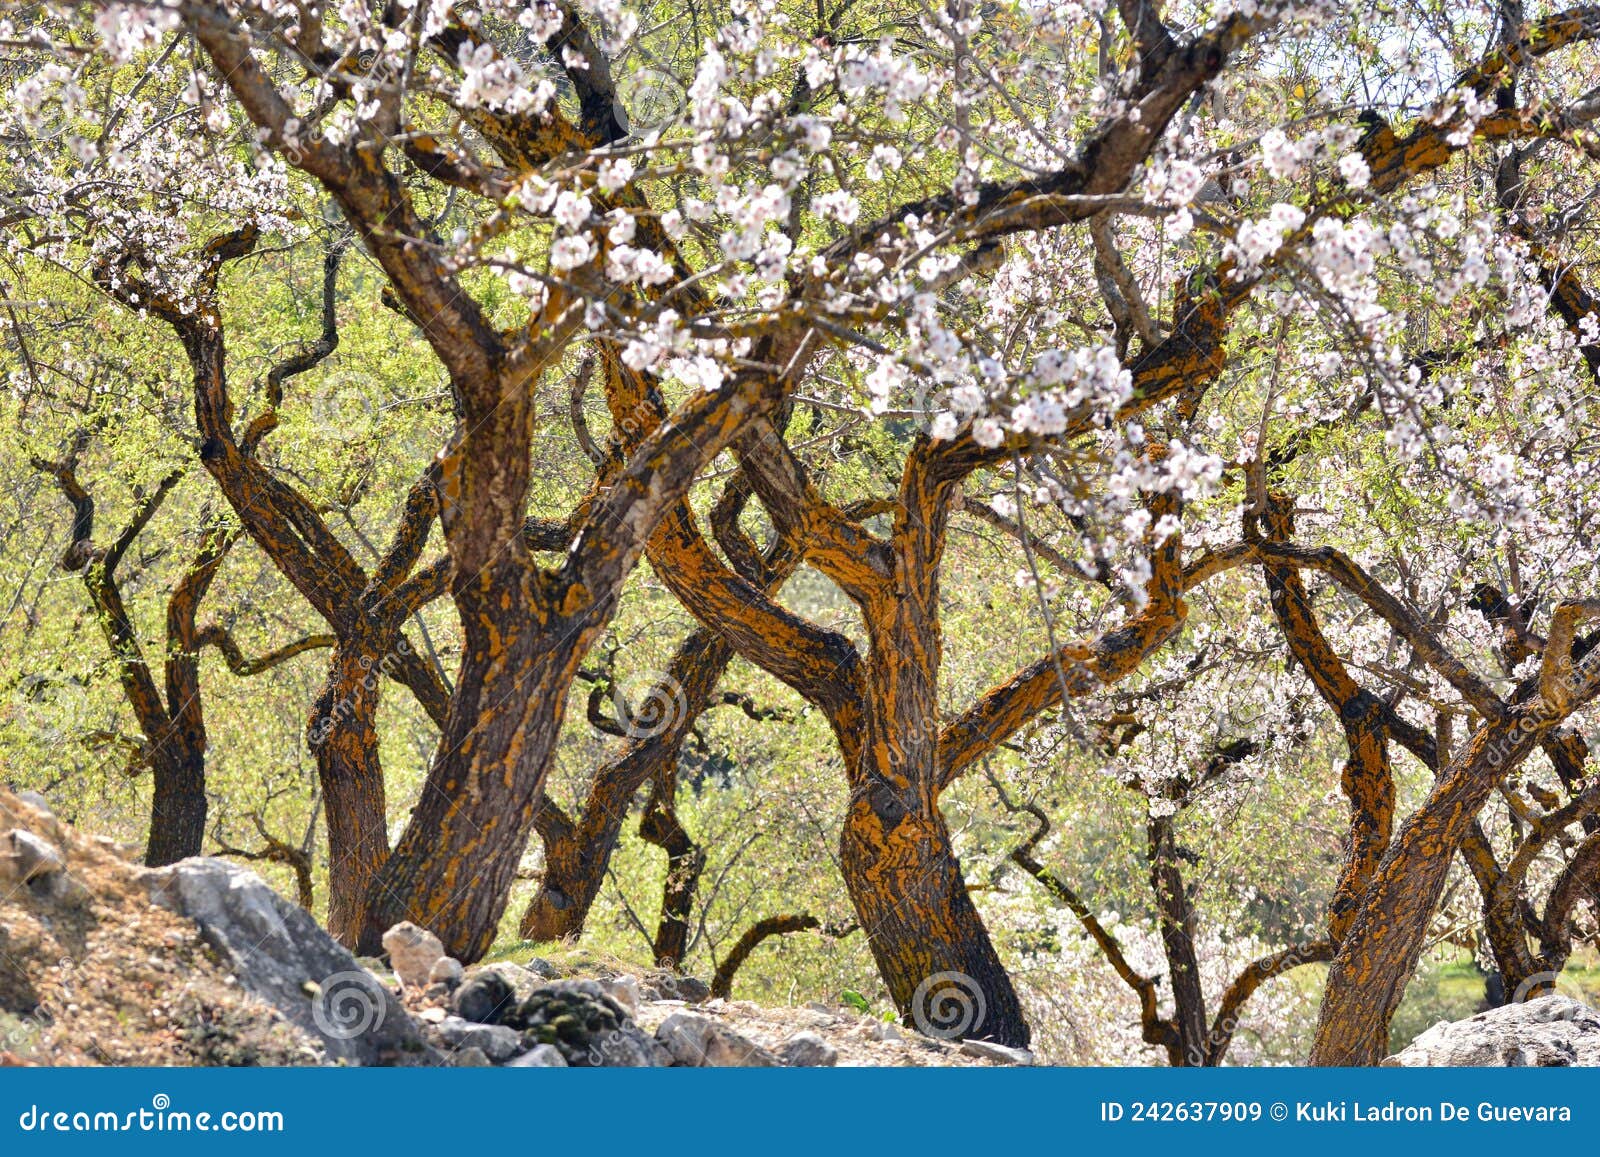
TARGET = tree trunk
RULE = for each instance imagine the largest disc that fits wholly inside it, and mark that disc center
(576, 853)
(575, 859)
(1177, 941)
(454, 866)
(685, 862)
(1377, 956)
(177, 804)
(343, 735)
(930, 944)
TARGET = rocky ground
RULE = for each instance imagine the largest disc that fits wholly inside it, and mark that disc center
(105, 962)
(93, 972)
(547, 1013)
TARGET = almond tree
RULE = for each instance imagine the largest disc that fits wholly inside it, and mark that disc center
(1052, 246)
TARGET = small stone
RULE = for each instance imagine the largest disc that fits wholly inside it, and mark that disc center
(34, 799)
(497, 1042)
(543, 968)
(24, 857)
(473, 1058)
(882, 1030)
(487, 997)
(432, 1015)
(990, 1051)
(700, 1042)
(625, 991)
(446, 971)
(664, 985)
(693, 989)
(807, 1050)
(538, 1057)
(413, 952)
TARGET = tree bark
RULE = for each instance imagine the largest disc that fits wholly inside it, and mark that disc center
(685, 861)
(931, 947)
(454, 866)
(342, 733)
(576, 853)
(1175, 915)
(1380, 951)
(177, 804)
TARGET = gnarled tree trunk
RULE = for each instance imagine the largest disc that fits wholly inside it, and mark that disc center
(1380, 951)
(685, 861)
(930, 944)
(342, 734)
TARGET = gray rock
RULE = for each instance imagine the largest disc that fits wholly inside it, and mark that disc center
(543, 969)
(885, 1031)
(989, 1051)
(497, 1042)
(589, 1027)
(447, 973)
(34, 799)
(486, 997)
(663, 985)
(625, 991)
(413, 952)
(693, 989)
(25, 858)
(281, 955)
(473, 1058)
(538, 1057)
(1548, 1031)
(700, 1042)
(807, 1050)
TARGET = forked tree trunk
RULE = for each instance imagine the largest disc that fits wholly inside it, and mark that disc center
(1380, 951)
(454, 867)
(577, 851)
(575, 857)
